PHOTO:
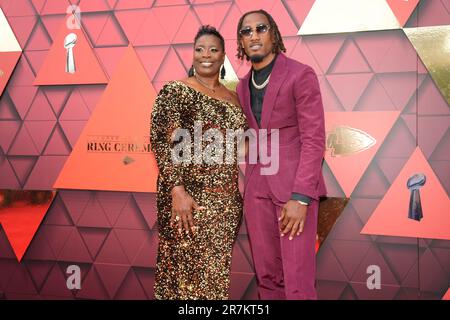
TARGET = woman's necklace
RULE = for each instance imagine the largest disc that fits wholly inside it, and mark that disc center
(205, 85)
(262, 85)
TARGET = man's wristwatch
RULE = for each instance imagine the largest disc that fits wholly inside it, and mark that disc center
(302, 203)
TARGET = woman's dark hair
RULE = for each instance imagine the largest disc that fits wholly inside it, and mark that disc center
(208, 30)
(278, 45)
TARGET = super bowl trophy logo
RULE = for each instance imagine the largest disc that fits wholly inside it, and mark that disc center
(69, 44)
(415, 206)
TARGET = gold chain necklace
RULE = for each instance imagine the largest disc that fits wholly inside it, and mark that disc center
(205, 85)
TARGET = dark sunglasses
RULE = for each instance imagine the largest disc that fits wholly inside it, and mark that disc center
(260, 29)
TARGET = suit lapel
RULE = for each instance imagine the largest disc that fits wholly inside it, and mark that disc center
(277, 76)
(247, 102)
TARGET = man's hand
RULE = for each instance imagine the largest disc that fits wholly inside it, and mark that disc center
(182, 206)
(292, 219)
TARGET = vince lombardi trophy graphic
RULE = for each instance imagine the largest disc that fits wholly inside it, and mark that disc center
(69, 43)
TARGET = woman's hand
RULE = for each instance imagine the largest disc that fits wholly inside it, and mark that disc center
(182, 206)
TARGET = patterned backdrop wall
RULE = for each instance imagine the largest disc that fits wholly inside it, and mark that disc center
(384, 71)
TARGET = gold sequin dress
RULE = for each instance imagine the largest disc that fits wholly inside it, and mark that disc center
(195, 266)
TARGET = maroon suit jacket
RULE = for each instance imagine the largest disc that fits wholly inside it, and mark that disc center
(293, 105)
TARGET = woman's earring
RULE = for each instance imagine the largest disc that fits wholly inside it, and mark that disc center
(222, 72)
(191, 71)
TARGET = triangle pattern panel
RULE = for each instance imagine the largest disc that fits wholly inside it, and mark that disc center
(299, 9)
(110, 119)
(347, 227)
(22, 167)
(22, 97)
(57, 214)
(53, 24)
(430, 13)
(75, 249)
(36, 58)
(39, 38)
(373, 183)
(88, 69)
(374, 98)
(131, 241)
(112, 34)
(40, 109)
(92, 287)
(112, 251)
(211, 13)
(157, 37)
(239, 284)
(8, 179)
(110, 57)
(9, 42)
(39, 271)
(146, 256)
(131, 217)
(8, 61)
(147, 206)
(349, 87)
(7, 110)
(431, 131)
(150, 57)
(72, 130)
(365, 136)
(55, 7)
(431, 45)
(55, 284)
(325, 48)
(17, 8)
(131, 22)
(8, 131)
(284, 21)
(246, 6)
(111, 276)
(348, 16)
(330, 290)
(21, 282)
(23, 145)
(349, 60)
(136, 4)
(401, 259)
(22, 27)
(75, 108)
(435, 204)
(112, 204)
(387, 292)
(94, 5)
(240, 262)
(402, 9)
(328, 267)
(188, 28)
(93, 238)
(301, 52)
(57, 143)
(147, 279)
(40, 248)
(350, 254)
(131, 288)
(433, 280)
(400, 87)
(6, 251)
(94, 23)
(45, 172)
(170, 68)
(93, 215)
(170, 26)
(23, 74)
(228, 26)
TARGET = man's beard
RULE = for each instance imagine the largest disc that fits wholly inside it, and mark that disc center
(257, 58)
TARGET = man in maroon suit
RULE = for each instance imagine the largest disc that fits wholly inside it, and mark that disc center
(281, 100)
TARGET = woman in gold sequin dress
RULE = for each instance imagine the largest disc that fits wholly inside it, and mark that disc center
(199, 203)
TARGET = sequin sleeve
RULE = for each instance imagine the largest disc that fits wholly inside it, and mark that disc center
(165, 120)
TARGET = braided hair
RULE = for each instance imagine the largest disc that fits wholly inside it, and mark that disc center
(278, 45)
